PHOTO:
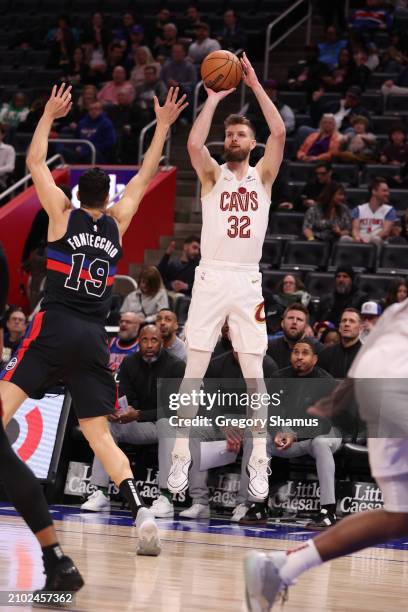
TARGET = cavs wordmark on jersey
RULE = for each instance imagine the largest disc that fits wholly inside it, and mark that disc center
(81, 266)
(235, 218)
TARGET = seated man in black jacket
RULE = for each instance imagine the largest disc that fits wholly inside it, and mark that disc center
(337, 359)
(326, 440)
(345, 295)
(178, 274)
(138, 424)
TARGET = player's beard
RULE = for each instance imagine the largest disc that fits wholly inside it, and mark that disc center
(236, 155)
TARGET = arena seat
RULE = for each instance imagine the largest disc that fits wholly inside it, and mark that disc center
(393, 259)
(181, 309)
(272, 252)
(287, 225)
(319, 283)
(373, 170)
(361, 257)
(376, 286)
(124, 284)
(305, 255)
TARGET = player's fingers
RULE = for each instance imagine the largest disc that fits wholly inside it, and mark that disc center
(155, 102)
(54, 91)
(169, 95)
(175, 94)
(67, 93)
(180, 102)
(61, 90)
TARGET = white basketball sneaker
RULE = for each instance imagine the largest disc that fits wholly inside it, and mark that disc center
(262, 581)
(258, 471)
(162, 507)
(97, 502)
(148, 532)
(196, 511)
(177, 480)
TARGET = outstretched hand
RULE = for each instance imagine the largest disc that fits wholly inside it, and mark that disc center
(248, 73)
(218, 95)
(168, 113)
(59, 103)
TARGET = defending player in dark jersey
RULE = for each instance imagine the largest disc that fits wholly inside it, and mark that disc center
(66, 339)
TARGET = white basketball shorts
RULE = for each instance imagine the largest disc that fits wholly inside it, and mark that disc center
(226, 290)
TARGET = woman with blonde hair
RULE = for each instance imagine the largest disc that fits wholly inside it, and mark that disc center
(142, 57)
(149, 297)
(323, 144)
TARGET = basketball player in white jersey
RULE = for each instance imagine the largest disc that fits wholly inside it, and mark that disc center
(379, 376)
(235, 206)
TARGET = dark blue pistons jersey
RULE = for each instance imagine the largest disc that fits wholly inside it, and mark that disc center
(81, 266)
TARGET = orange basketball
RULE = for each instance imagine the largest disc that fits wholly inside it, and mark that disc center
(221, 70)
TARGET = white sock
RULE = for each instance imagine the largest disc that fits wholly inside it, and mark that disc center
(259, 445)
(298, 561)
(181, 445)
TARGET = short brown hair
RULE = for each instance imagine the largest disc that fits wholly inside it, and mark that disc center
(238, 120)
(297, 306)
(151, 276)
(350, 309)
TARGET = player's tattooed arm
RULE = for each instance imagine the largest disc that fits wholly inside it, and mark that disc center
(51, 197)
(166, 115)
(268, 165)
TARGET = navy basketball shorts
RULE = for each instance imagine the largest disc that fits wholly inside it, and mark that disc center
(59, 347)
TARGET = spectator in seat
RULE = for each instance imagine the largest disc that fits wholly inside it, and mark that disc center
(342, 110)
(396, 235)
(398, 291)
(288, 444)
(178, 274)
(96, 38)
(179, 72)
(347, 73)
(330, 219)
(98, 128)
(396, 150)
(77, 71)
(294, 325)
(193, 19)
(289, 290)
(322, 144)
(330, 337)
(140, 423)
(232, 36)
(16, 325)
(395, 56)
(370, 18)
(329, 50)
(358, 147)
(370, 313)
(108, 95)
(142, 57)
(372, 222)
(162, 18)
(7, 161)
(152, 86)
(203, 45)
(337, 359)
(312, 189)
(123, 34)
(127, 341)
(149, 298)
(309, 74)
(345, 295)
(61, 43)
(165, 46)
(399, 87)
(227, 367)
(15, 112)
(167, 323)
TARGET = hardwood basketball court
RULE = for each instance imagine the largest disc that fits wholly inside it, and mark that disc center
(200, 567)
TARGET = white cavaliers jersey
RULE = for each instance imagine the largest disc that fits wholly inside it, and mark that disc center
(235, 218)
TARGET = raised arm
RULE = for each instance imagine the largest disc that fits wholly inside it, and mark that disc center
(206, 167)
(268, 165)
(166, 115)
(52, 199)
